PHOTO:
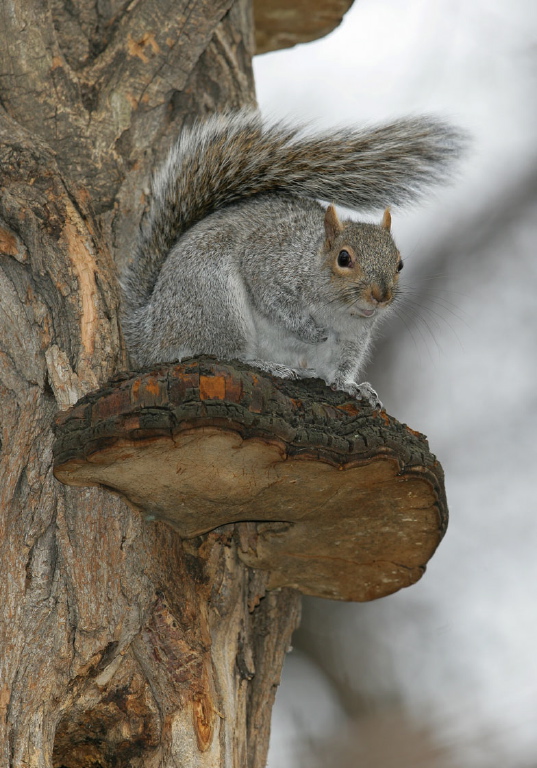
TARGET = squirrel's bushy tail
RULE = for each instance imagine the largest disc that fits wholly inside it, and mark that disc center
(231, 157)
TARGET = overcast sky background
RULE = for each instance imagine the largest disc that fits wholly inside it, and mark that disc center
(455, 653)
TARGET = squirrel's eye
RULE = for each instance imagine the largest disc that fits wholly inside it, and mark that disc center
(344, 259)
(400, 266)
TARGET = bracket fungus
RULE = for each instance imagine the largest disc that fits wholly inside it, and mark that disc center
(335, 499)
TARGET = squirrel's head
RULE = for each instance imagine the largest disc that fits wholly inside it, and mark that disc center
(364, 262)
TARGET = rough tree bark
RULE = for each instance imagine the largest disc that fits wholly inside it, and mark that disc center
(119, 645)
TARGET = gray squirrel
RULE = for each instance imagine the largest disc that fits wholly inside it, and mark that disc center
(238, 259)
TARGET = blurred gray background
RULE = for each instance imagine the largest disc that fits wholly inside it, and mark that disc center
(444, 674)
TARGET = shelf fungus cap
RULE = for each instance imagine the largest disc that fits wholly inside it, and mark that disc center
(336, 500)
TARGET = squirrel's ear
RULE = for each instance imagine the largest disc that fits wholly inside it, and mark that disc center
(386, 222)
(332, 225)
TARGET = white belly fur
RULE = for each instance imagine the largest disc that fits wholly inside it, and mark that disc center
(274, 344)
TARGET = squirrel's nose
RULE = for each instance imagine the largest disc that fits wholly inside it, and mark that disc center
(379, 294)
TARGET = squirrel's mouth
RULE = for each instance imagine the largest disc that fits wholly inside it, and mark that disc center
(366, 312)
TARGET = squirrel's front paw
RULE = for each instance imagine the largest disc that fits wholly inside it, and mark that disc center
(317, 336)
(311, 333)
(363, 391)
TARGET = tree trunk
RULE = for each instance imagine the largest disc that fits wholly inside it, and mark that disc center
(120, 644)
